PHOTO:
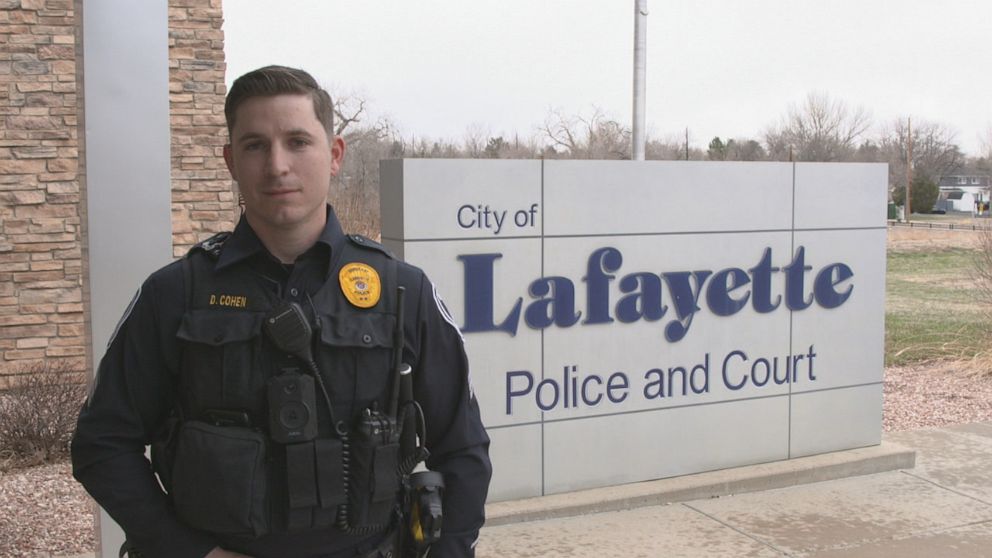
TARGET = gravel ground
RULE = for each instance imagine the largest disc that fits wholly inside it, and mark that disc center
(934, 395)
(45, 513)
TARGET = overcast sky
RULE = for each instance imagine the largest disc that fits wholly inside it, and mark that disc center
(726, 68)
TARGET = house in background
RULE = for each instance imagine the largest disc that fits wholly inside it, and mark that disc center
(964, 193)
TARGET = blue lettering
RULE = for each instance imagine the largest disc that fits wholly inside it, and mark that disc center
(570, 393)
(705, 369)
(655, 388)
(585, 386)
(479, 296)
(570, 381)
(824, 287)
(728, 291)
(781, 379)
(768, 370)
(554, 390)
(617, 382)
(511, 393)
(718, 293)
(697, 379)
(765, 370)
(795, 291)
(600, 264)
(559, 309)
(726, 379)
(644, 304)
(685, 300)
(761, 277)
(795, 364)
(471, 221)
(671, 379)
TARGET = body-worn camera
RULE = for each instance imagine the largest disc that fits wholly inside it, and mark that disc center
(292, 408)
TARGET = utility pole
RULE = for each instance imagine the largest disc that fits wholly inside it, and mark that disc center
(640, 85)
(909, 165)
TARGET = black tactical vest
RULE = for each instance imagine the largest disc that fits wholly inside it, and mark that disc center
(228, 475)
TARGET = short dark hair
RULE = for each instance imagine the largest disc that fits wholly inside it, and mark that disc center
(279, 80)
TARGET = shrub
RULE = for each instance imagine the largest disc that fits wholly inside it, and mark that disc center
(982, 276)
(38, 418)
(924, 192)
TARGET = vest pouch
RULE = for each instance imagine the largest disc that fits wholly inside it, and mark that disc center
(374, 480)
(219, 479)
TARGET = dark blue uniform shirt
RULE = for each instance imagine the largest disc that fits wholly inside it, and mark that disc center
(135, 387)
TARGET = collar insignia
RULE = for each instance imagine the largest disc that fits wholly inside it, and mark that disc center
(360, 284)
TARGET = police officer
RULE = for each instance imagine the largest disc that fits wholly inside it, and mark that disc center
(258, 444)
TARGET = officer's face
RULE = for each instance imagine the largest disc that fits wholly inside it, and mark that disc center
(283, 161)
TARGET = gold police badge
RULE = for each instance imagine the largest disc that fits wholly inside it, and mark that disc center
(360, 284)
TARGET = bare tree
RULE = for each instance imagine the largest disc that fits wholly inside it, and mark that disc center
(349, 112)
(356, 194)
(983, 162)
(581, 137)
(986, 143)
(869, 152)
(663, 150)
(821, 129)
(935, 152)
(475, 140)
(428, 148)
(672, 148)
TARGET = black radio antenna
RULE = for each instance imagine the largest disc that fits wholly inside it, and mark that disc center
(398, 343)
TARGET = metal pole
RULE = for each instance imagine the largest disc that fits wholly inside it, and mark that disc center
(640, 86)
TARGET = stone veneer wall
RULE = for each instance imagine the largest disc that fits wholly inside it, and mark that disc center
(41, 310)
(202, 198)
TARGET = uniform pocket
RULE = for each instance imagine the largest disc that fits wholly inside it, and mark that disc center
(221, 353)
(361, 344)
(219, 479)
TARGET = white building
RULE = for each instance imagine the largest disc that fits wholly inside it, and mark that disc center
(964, 193)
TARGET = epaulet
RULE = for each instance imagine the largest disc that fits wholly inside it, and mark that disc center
(211, 246)
(364, 242)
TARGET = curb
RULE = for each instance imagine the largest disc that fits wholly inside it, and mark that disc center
(714, 484)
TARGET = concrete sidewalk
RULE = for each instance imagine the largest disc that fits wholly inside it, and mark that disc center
(942, 507)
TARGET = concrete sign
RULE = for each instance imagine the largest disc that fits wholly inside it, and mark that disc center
(628, 321)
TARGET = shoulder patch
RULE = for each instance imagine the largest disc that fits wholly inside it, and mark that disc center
(443, 310)
(446, 316)
(127, 314)
(212, 245)
(364, 242)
